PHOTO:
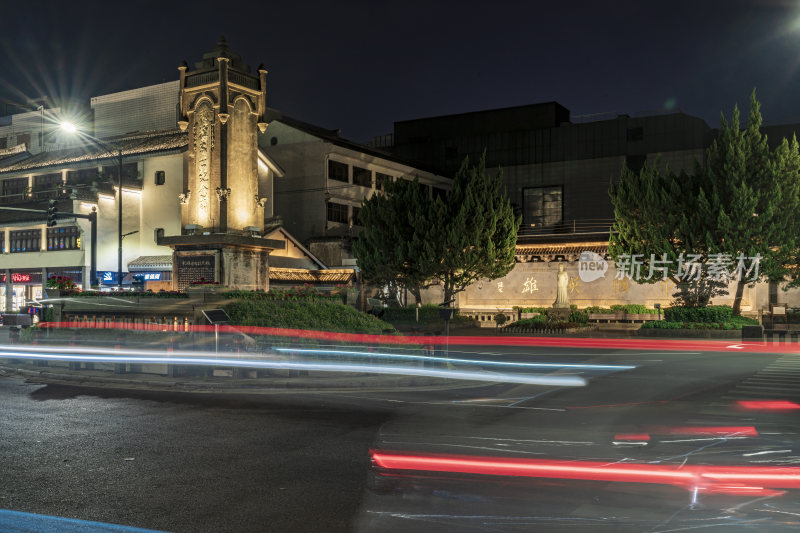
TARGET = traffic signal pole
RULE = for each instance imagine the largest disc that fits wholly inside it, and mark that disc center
(91, 217)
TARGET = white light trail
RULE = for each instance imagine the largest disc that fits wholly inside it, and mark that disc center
(454, 360)
(193, 358)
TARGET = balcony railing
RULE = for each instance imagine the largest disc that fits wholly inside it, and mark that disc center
(243, 79)
(202, 78)
(596, 226)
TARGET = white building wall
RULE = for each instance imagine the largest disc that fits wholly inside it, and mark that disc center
(159, 207)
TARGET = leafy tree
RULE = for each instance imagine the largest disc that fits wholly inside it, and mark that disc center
(750, 195)
(655, 218)
(737, 205)
(410, 239)
(388, 250)
(475, 234)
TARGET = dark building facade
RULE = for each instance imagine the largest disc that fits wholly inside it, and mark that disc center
(556, 171)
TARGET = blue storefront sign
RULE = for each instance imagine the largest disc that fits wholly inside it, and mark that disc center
(107, 277)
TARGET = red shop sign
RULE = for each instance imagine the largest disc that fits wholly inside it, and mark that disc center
(18, 278)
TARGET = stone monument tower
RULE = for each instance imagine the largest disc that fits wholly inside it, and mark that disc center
(222, 108)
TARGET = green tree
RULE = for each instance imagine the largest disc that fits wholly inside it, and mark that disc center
(749, 198)
(410, 239)
(654, 213)
(475, 233)
(388, 250)
(737, 205)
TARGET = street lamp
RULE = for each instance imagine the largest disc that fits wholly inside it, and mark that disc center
(69, 127)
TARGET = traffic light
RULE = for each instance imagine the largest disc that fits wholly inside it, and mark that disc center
(52, 213)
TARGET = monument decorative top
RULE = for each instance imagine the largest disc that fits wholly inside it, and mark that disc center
(222, 50)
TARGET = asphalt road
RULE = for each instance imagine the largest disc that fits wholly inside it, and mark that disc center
(300, 462)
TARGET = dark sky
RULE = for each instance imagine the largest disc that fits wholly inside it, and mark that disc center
(360, 66)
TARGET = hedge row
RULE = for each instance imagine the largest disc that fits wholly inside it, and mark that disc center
(711, 313)
(304, 314)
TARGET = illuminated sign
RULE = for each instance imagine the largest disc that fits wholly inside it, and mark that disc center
(107, 277)
(17, 277)
(152, 276)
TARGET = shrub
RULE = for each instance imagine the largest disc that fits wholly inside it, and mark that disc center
(598, 310)
(711, 313)
(60, 282)
(500, 319)
(306, 292)
(636, 309)
(579, 317)
(308, 314)
(662, 324)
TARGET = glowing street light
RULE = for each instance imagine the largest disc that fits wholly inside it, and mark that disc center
(68, 127)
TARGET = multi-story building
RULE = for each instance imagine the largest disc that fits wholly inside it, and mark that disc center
(557, 170)
(310, 178)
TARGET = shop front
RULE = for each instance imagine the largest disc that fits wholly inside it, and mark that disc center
(25, 286)
(151, 272)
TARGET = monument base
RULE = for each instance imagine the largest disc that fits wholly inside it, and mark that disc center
(235, 261)
(560, 313)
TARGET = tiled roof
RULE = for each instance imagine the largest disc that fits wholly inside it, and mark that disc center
(132, 145)
(528, 252)
(312, 276)
(151, 262)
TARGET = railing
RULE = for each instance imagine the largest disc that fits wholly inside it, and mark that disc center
(577, 227)
(202, 78)
(243, 79)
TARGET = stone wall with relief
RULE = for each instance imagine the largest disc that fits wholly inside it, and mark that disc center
(534, 284)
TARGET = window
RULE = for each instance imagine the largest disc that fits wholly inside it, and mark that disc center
(47, 185)
(381, 179)
(273, 141)
(3, 143)
(84, 176)
(362, 176)
(161, 177)
(14, 189)
(356, 211)
(2, 242)
(24, 138)
(337, 213)
(542, 206)
(130, 172)
(337, 171)
(26, 240)
(635, 134)
(63, 238)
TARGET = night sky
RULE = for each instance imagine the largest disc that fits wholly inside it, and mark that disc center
(360, 66)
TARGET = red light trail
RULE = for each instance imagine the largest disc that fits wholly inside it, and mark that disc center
(706, 478)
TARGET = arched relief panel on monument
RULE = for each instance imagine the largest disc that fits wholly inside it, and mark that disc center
(243, 209)
(200, 203)
(211, 96)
